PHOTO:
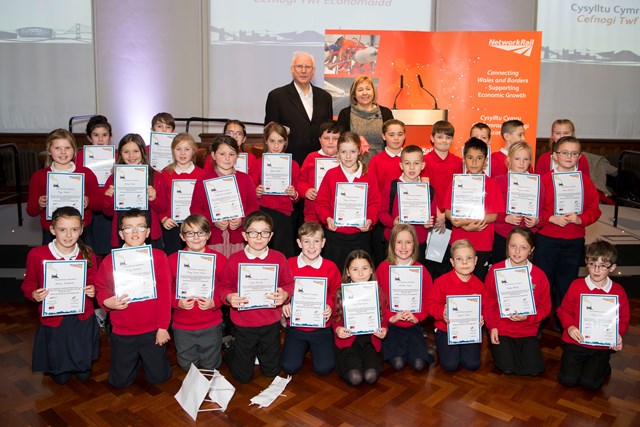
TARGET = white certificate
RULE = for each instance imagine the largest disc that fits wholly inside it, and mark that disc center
(196, 275)
(65, 189)
(160, 155)
(405, 288)
(464, 319)
(224, 198)
(414, 202)
(242, 163)
(467, 196)
(515, 291)
(130, 184)
(276, 173)
(523, 194)
(437, 245)
(324, 165)
(599, 319)
(181, 194)
(255, 282)
(100, 159)
(360, 307)
(133, 273)
(309, 301)
(568, 194)
(351, 204)
(65, 281)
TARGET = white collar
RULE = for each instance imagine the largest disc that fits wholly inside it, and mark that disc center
(352, 175)
(186, 171)
(592, 286)
(504, 151)
(252, 256)
(404, 265)
(70, 170)
(301, 92)
(322, 153)
(507, 264)
(386, 149)
(59, 255)
(317, 263)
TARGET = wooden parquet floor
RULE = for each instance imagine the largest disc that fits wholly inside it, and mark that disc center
(433, 398)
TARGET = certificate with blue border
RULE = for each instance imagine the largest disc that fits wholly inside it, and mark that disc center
(414, 202)
(223, 197)
(599, 319)
(181, 194)
(130, 185)
(464, 319)
(64, 189)
(160, 155)
(405, 288)
(322, 166)
(255, 282)
(514, 291)
(276, 173)
(350, 208)
(195, 275)
(523, 194)
(133, 273)
(308, 302)
(568, 194)
(467, 196)
(361, 308)
(65, 281)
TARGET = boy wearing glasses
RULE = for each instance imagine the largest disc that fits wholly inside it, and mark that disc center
(560, 240)
(582, 364)
(140, 328)
(197, 320)
(459, 281)
(257, 329)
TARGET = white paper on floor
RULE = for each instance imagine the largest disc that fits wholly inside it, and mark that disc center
(195, 387)
(271, 393)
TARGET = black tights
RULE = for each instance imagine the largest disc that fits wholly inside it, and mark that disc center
(355, 377)
(398, 363)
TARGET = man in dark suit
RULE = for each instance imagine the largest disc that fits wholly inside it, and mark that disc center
(301, 107)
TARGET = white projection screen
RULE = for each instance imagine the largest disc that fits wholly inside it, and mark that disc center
(47, 64)
(590, 71)
(252, 43)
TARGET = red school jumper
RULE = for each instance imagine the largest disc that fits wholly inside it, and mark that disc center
(194, 174)
(156, 208)
(200, 204)
(38, 187)
(306, 181)
(446, 285)
(509, 328)
(382, 274)
(280, 203)
(140, 317)
(440, 172)
(196, 319)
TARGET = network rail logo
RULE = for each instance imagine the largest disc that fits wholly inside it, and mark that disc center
(518, 46)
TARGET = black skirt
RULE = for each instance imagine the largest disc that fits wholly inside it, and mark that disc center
(71, 347)
(361, 355)
(408, 342)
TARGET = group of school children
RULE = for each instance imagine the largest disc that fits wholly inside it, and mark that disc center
(67, 345)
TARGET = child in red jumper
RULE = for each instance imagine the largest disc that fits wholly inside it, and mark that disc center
(560, 240)
(140, 328)
(279, 207)
(514, 342)
(66, 344)
(358, 357)
(197, 320)
(582, 364)
(257, 328)
(405, 342)
(61, 151)
(183, 150)
(307, 185)
(459, 281)
(310, 264)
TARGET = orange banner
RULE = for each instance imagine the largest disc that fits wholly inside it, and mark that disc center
(488, 77)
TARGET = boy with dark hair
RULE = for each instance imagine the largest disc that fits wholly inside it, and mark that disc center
(511, 131)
